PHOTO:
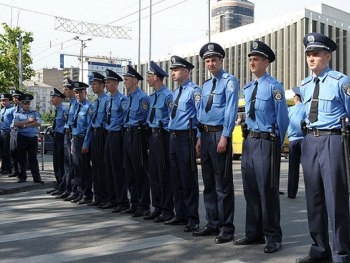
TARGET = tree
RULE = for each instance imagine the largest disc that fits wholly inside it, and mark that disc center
(9, 69)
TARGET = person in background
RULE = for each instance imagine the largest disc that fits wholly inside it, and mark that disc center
(158, 118)
(296, 114)
(266, 125)
(326, 97)
(27, 122)
(216, 116)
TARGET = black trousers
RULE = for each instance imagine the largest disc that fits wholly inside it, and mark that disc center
(28, 146)
(97, 142)
(58, 159)
(6, 155)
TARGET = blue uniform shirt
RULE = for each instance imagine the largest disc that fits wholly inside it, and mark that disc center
(137, 111)
(116, 107)
(296, 114)
(270, 106)
(69, 117)
(225, 103)
(17, 108)
(99, 114)
(187, 107)
(62, 111)
(334, 98)
(25, 115)
(83, 118)
(7, 117)
(162, 107)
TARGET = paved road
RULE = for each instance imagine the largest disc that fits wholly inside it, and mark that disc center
(35, 227)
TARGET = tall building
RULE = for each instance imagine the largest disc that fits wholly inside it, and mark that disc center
(229, 14)
(283, 34)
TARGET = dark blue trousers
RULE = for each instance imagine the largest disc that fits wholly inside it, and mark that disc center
(58, 160)
(67, 183)
(294, 167)
(184, 180)
(326, 191)
(28, 146)
(6, 155)
(97, 142)
(263, 201)
(218, 187)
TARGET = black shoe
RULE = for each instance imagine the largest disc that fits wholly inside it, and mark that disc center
(309, 259)
(50, 191)
(120, 208)
(21, 180)
(140, 212)
(291, 197)
(39, 181)
(176, 222)
(130, 210)
(250, 241)
(107, 205)
(84, 201)
(281, 193)
(152, 215)
(163, 217)
(57, 192)
(191, 227)
(70, 197)
(94, 203)
(223, 238)
(62, 196)
(206, 231)
(15, 174)
(7, 172)
(75, 200)
(272, 247)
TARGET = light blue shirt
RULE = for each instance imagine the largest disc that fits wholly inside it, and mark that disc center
(70, 114)
(162, 107)
(187, 107)
(25, 115)
(83, 118)
(270, 106)
(225, 103)
(62, 111)
(333, 100)
(116, 107)
(296, 114)
(138, 110)
(6, 114)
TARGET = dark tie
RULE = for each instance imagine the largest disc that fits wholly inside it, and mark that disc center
(314, 103)
(252, 102)
(76, 117)
(3, 114)
(211, 97)
(54, 121)
(108, 121)
(173, 112)
(95, 116)
(70, 104)
(153, 110)
(128, 113)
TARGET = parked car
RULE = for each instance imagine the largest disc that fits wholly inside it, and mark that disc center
(45, 140)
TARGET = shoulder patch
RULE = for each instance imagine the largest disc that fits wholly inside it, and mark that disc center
(231, 86)
(197, 96)
(277, 95)
(125, 105)
(305, 81)
(170, 103)
(90, 111)
(144, 105)
(65, 116)
(346, 88)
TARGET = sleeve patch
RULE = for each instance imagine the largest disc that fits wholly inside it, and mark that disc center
(197, 96)
(346, 88)
(277, 94)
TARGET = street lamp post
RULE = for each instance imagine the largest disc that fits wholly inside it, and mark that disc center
(82, 46)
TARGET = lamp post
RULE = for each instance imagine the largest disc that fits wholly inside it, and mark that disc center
(82, 46)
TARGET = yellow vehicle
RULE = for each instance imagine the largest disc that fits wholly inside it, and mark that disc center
(237, 138)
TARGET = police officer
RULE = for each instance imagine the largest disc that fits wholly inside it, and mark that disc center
(216, 116)
(158, 118)
(6, 114)
(296, 114)
(135, 147)
(27, 122)
(58, 136)
(267, 122)
(182, 159)
(116, 180)
(13, 134)
(70, 187)
(95, 138)
(80, 148)
(326, 96)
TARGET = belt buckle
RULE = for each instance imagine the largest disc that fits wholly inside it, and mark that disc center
(315, 133)
(205, 128)
(128, 129)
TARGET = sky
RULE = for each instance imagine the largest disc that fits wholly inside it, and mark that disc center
(173, 22)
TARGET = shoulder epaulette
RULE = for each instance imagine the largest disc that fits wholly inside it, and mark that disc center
(248, 84)
(306, 80)
(335, 74)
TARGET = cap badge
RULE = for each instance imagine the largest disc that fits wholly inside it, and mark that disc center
(255, 45)
(173, 60)
(107, 72)
(211, 47)
(311, 39)
(76, 85)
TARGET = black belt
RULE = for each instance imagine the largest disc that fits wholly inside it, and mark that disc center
(67, 130)
(259, 135)
(133, 128)
(97, 129)
(210, 128)
(107, 131)
(318, 132)
(181, 133)
(155, 130)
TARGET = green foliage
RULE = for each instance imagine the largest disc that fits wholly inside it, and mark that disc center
(9, 69)
(48, 117)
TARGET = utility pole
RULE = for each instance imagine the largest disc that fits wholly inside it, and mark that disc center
(82, 46)
(20, 70)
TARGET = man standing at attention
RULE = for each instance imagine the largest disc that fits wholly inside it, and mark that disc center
(267, 122)
(216, 116)
(326, 96)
